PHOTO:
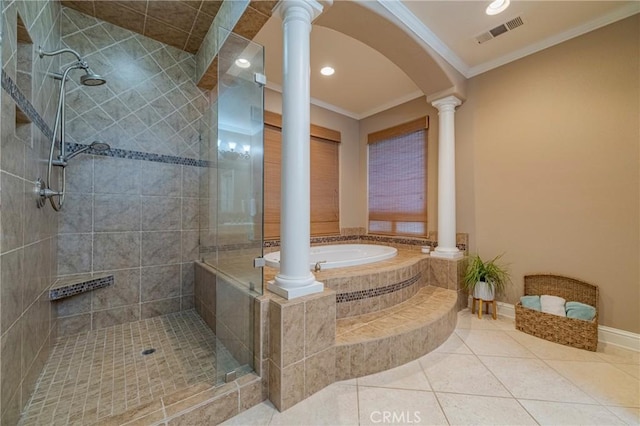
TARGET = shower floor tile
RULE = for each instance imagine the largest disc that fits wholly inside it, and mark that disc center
(93, 375)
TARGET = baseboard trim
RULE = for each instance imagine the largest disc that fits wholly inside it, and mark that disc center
(609, 335)
(622, 338)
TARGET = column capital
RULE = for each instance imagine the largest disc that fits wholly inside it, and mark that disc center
(312, 7)
(446, 103)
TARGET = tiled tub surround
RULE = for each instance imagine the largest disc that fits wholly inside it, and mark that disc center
(300, 344)
(92, 376)
(310, 348)
(27, 234)
(133, 212)
(376, 286)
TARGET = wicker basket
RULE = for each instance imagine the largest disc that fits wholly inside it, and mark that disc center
(567, 331)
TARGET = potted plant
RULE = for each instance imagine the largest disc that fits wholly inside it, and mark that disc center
(484, 279)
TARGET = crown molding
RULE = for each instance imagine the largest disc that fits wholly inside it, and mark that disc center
(405, 16)
(398, 101)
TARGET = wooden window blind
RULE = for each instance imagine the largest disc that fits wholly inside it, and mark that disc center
(324, 179)
(398, 180)
(272, 161)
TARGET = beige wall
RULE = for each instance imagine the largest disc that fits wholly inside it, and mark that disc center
(549, 145)
(353, 200)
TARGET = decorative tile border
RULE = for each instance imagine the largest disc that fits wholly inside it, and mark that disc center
(369, 238)
(25, 105)
(374, 292)
(399, 240)
(139, 155)
(335, 239)
(318, 240)
(76, 288)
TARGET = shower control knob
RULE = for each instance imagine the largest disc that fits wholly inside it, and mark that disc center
(48, 193)
(42, 193)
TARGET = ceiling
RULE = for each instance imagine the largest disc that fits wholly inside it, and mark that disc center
(366, 81)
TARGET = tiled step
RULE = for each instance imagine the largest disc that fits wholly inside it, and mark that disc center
(378, 341)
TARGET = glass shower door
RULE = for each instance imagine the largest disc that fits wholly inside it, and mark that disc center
(239, 189)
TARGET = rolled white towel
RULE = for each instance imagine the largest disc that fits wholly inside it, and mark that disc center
(553, 305)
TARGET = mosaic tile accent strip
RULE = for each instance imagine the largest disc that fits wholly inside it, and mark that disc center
(81, 287)
(23, 103)
(374, 292)
(370, 238)
(318, 240)
(139, 155)
(399, 240)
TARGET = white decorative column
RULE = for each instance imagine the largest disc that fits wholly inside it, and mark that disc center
(295, 278)
(447, 179)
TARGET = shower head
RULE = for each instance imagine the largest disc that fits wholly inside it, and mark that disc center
(89, 79)
(92, 79)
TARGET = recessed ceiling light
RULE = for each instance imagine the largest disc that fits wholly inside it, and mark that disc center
(243, 63)
(497, 6)
(327, 71)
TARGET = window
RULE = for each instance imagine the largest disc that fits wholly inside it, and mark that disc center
(398, 179)
(325, 214)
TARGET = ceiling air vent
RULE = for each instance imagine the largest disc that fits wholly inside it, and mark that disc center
(499, 30)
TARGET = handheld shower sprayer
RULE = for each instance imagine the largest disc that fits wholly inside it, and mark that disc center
(43, 189)
(96, 147)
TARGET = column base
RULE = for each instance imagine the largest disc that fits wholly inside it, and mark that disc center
(292, 293)
(447, 253)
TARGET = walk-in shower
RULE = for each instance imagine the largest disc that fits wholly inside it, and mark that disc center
(90, 78)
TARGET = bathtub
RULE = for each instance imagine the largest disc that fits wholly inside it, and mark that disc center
(339, 255)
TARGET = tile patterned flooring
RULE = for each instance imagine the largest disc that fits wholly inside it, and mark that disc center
(485, 373)
(92, 375)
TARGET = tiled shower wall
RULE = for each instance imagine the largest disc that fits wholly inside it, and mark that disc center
(134, 212)
(27, 234)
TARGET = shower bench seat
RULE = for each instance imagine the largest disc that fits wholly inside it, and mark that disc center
(377, 341)
(70, 286)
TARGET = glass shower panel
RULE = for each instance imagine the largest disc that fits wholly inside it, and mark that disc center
(239, 159)
(238, 185)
